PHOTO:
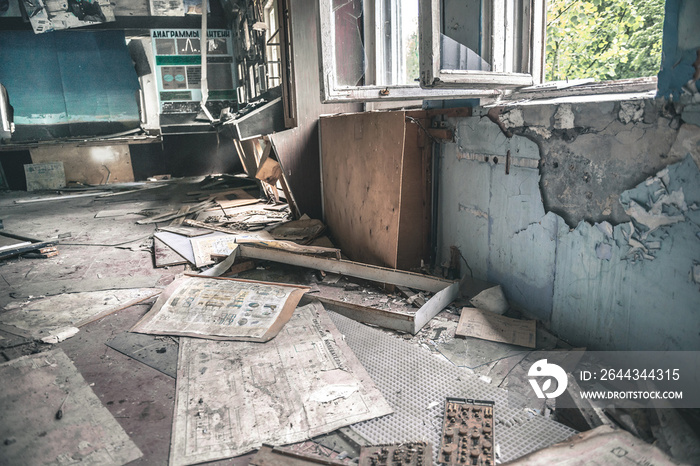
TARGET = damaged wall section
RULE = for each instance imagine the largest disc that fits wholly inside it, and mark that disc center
(632, 260)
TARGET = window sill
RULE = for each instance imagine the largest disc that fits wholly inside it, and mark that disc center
(579, 91)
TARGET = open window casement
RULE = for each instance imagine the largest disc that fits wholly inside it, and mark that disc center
(369, 52)
(500, 44)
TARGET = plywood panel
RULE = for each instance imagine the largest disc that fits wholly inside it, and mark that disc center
(414, 226)
(362, 159)
(90, 165)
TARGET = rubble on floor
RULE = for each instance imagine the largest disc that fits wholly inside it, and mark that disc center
(362, 368)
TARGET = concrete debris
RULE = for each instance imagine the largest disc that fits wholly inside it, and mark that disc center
(60, 334)
(631, 112)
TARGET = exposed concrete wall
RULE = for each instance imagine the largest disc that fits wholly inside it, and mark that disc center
(629, 281)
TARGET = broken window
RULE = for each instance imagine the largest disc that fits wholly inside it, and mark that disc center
(385, 50)
(481, 43)
(370, 51)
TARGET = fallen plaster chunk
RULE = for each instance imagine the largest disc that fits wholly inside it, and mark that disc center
(564, 118)
(492, 300)
(631, 112)
(650, 218)
(60, 335)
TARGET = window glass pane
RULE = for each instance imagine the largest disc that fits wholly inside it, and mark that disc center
(347, 18)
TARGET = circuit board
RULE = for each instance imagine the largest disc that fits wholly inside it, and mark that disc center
(467, 433)
(402, 454)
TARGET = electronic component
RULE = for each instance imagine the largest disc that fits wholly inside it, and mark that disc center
(467, 433)
(401, 454)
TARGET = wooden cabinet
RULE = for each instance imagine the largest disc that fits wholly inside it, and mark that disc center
(376, 183)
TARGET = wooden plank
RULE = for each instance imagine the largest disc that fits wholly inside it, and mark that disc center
(362, 160)
(414, 221)
(11, 252)
(288, 194)
(352, 269)
(429, 43)
(239, 268)
(177, 214)
(369, 315)
(434, 305)
(247, 158)
(89, 165)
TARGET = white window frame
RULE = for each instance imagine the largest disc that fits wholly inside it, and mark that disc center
(331, 92)
(436, 83)
(503, 43)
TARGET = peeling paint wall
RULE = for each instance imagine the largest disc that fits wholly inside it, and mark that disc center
(596, 227)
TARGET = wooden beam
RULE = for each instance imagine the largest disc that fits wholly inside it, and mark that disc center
(353, 269)
(445, 291)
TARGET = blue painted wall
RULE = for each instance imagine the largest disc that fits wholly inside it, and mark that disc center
(632, 286)
(681, 42)
(69, 78)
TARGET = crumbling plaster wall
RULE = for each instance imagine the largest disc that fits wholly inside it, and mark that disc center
(596, 227)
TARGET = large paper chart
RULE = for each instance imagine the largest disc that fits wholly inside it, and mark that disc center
(234, 396)
(222, 309)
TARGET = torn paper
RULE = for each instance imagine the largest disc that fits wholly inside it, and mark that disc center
(44, 317)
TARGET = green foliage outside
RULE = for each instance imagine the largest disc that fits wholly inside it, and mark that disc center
(412, 63)
(603, 39)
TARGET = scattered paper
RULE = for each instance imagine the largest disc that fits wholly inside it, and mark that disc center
(234, 396)
(492, 300)
(44, 317)
(54, 15)
(204, 246)
(488, 326)
(38, 386)
(222, 309)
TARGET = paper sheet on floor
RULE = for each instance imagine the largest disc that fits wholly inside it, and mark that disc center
(234, 396)
(44, 317)
(493, 327)
(204, 246)
(221, 309)
(41, 384)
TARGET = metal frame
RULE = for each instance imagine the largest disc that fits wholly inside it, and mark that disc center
(503, 46)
